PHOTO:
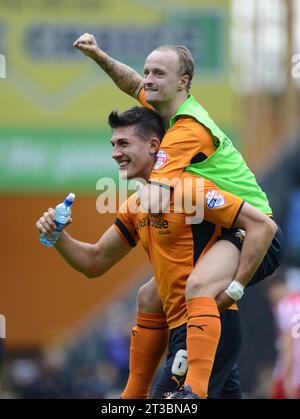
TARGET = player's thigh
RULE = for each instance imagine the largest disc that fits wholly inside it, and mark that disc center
(148, 299)
(214, 271)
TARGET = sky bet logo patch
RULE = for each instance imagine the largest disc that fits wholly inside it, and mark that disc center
(161, 159)
(214, 199)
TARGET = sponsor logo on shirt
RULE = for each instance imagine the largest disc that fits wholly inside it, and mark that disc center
(154, 222)
(161, 159)
(214, 199)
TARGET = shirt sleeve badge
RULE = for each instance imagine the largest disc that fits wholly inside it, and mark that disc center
(214, 199)
(161, 159)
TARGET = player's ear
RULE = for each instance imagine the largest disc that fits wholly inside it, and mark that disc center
(183, 82)
(154, 145)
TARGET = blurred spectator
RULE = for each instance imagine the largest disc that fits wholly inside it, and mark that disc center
(292, 227)
(263, 383)
(284, 294)
(92, 363)
(116, 339)
(292, 220)
(1, 361)
(23, 376)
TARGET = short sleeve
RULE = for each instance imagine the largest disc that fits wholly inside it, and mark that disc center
(142, 99)
(211, 203)
(125, 223)
(186, 141)
(221, 207)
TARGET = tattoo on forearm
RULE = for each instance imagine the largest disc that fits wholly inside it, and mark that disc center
(123, 76)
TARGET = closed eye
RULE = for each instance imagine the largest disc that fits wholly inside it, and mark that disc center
(121, 143)
(157, 72)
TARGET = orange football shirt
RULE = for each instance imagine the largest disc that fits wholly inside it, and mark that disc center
(175, 246)
(183, 144)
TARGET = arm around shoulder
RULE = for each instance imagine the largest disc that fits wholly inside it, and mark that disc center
(260, 231)
(250, 218)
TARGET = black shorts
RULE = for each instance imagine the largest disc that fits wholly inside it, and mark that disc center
(271, 260)
(224, 382)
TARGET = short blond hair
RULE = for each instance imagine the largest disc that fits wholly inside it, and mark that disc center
(185, 59)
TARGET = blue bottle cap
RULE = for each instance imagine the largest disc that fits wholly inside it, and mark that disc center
(70, 199)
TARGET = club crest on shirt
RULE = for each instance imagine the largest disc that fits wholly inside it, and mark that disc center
(214, 199)
(161, 159)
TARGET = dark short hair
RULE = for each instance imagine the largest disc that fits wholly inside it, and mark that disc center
(185, 59)
(146, 121)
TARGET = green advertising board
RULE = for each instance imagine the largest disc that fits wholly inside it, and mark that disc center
(54, 102)
(53, 160)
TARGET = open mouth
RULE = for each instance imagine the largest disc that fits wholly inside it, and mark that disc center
(123, 164)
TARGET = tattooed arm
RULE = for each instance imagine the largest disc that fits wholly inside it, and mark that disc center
(126, 79)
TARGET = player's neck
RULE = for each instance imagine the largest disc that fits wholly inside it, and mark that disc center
(168, 109)
(147, 170)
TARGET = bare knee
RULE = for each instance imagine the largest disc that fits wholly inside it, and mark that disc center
(198, 286)
(148, 300)
(214, 272)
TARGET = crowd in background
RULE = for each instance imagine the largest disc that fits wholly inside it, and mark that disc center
(94, 362)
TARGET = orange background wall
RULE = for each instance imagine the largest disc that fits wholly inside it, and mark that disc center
(40, 295)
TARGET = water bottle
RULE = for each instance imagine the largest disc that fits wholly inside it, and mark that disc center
(62, 216)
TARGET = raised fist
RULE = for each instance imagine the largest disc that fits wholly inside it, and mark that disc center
(87, 44)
